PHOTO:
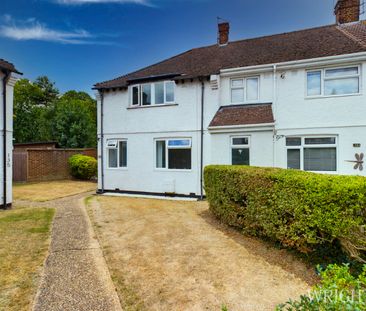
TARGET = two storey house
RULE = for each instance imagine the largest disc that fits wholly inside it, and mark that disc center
(294, 100)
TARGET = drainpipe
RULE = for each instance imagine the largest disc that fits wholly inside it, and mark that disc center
(5, 81)
(202, 129)
(102, 139)
(274, 105)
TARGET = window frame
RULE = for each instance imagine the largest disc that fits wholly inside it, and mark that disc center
(304, 146)
(245, 89)
(245, 146)
(167, 147)
(118, 167)
(153, 95)
(323, 78)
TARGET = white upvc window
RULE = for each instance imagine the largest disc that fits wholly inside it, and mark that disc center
(333, 81)
(173, 153)
(240, 150)
(157, 93)
(117, 153)
(312, 153)
(244, 90)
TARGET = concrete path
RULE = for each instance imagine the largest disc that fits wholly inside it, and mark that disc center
(75, 276)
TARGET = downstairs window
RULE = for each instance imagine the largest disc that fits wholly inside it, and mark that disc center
(240, 150)
(317, 154)
(117, 153)
(174, 154)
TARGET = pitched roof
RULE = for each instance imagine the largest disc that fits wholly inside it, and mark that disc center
(298, 45)
(243, 115)
(4, 65)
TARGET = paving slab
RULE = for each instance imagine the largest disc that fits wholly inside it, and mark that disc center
(75, 277)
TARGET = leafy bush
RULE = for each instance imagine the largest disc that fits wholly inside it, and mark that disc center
(83, 167)
(300, 210)
(338, 290)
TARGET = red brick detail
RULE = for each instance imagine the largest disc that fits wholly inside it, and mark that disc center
(223, 36)
(52, 164)
(347, 11)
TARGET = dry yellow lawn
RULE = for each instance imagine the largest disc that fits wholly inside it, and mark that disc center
(172, 255)
(45, 191)
(24, 243)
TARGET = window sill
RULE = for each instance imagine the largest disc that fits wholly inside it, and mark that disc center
(152, 106)
(172, 170)
(332, 96)
(117, 168)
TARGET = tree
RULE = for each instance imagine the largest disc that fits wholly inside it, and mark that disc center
(74, 120)
(41, 114)
(49, 91)
(31, 116)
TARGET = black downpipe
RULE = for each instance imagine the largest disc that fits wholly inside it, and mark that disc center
(5, 81)
(102, 138)
(202, 129)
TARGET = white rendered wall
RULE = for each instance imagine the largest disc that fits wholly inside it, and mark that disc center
(294, 114)
(9, 141)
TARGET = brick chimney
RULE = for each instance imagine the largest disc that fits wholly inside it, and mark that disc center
(347, 11)
(223, 35)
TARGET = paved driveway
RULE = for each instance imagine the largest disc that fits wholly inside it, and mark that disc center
(172, 255)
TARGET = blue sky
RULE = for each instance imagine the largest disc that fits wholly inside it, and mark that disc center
(80, 42)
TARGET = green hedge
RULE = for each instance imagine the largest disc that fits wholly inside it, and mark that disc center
(83, 167)
(298, 209)
(338, 290)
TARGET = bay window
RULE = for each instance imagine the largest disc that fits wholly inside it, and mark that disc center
(244, 90)
(148, 94)
(317, 154)
(240, 150)
(333, 81)
(117, 153)
(173, 154)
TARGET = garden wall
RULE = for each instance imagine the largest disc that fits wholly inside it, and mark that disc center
(45, 164)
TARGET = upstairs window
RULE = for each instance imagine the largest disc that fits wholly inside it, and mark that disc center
(244, 90)
(333, 81)
(174, 154)
(117, 153)
(148, 94)
(317, 154)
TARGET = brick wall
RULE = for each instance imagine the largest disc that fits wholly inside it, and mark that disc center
(52, 164)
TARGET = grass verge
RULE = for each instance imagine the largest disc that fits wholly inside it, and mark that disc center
(46, 191)
(23, 246)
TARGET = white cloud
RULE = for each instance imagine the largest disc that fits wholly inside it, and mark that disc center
(34, 30)
(71, 2)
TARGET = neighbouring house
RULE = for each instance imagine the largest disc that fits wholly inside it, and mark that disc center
(293, 100)
(7, 82)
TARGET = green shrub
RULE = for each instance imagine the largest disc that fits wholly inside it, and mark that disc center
(300, 210)
(338, 290)
(83, 167)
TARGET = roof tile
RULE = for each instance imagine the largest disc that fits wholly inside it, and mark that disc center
(298, 45)
(243, 115)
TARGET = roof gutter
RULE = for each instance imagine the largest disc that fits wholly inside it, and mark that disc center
(315, 62)
(248, 127)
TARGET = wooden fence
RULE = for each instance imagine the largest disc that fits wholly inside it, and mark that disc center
(20, 166)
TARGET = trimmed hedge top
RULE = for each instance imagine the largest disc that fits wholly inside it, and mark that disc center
(299, 209)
